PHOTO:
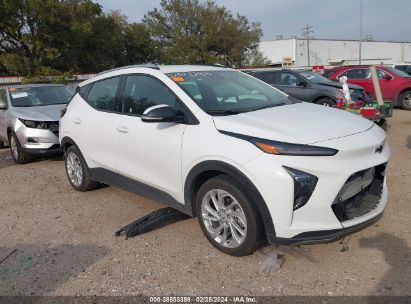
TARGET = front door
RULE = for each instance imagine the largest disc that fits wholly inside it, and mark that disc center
(149, 153)
(294, 85)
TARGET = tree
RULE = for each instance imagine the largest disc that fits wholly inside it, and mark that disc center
(257, 60)
(35, 34)
(137, 45)
(50, 37)
(190, 31)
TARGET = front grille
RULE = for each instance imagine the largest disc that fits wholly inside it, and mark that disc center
(53, 126)
(360, 194)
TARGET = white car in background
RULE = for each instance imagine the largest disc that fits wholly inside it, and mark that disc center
(250, 162)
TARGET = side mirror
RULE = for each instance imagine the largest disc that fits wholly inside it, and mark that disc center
(3, 105)
(386, 77)
(161, 113)
(302, 84)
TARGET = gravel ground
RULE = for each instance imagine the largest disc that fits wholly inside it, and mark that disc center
(66, 246)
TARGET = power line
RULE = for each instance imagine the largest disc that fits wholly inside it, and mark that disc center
(360, 41)
(307, 32)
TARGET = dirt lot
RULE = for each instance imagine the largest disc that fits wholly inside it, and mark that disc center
(66, 246)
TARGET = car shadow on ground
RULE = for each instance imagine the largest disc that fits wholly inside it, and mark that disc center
(409, 142)
(397, 254)
(37, 269)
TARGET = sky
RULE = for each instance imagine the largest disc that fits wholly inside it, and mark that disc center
(330, 19)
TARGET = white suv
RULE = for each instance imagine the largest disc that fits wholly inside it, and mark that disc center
(250, 162)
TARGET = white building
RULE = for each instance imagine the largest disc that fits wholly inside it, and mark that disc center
(336, 52)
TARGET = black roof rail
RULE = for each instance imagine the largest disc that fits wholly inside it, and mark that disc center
(144, 65)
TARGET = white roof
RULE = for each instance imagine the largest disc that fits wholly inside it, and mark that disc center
(188, 68)
(147, 69)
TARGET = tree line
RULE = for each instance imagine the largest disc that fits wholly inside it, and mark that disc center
(54, 37)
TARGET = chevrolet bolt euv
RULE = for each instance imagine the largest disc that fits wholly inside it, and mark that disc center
(250, 162)
(29, 119)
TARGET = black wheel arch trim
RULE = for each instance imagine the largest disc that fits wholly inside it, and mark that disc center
(67, 140)
(250, 191)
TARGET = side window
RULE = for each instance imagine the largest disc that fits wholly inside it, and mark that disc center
(83, 90)
(342, 75)
(288, 79)
(102, 94)
(380, 74)
(142, 92)
(401, 67)
(3, 98)
(357, 73)
(268, 77)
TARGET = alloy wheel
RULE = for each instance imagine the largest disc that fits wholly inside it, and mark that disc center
(14, 148)
(74, 169)
(406, 101)
(223, 218)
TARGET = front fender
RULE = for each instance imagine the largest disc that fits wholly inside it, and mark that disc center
(248, 187)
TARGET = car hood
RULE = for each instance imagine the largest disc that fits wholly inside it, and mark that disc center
(301, 123)
(39, 113)
(338, 85)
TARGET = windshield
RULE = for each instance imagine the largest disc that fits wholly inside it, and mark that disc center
(314, 77)
(228, 92)
(39, 96)
(397, 72)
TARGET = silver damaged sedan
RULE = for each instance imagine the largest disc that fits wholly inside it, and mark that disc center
(29, 119)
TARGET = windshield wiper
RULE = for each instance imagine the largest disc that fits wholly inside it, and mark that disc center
(223, 112)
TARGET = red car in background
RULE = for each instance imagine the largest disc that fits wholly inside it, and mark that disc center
(395, 84)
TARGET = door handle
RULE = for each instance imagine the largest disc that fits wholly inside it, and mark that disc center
(77, 121)
(122, 129)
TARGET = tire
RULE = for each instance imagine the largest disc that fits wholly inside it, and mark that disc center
(19, 154)
(223, 223)
(404, 100)
(327, 102)
(1, 144)
(77, 171)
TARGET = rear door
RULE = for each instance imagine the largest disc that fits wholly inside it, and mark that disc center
(91, 122)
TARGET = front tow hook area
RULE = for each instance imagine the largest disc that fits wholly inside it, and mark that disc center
(154, 220)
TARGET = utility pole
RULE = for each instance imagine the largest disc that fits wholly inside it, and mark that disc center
(360, 42)
(307, 31)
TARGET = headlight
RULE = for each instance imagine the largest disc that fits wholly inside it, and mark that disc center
(281, 148)
(34, 124)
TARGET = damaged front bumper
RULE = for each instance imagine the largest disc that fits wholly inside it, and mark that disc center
(359, 204)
